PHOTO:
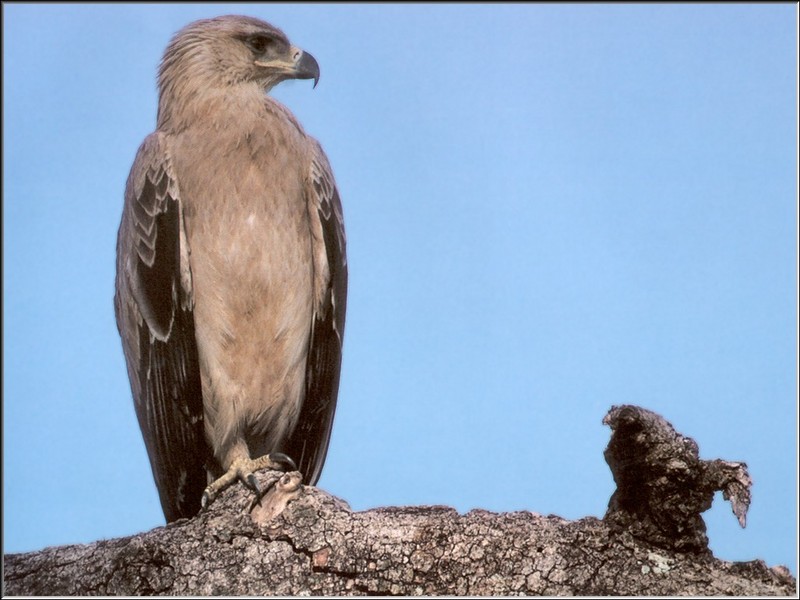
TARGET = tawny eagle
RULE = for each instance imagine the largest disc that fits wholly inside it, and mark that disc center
(231, 271)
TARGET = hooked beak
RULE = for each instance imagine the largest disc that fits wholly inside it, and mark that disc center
(306, 67)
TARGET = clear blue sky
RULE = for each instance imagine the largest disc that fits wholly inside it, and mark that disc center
(550, 210)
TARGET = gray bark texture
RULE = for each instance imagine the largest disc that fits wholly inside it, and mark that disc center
(303, 541)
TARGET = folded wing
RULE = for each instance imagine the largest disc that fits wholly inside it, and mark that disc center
(153, 305)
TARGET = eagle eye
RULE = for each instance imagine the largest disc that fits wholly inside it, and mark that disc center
(259, 43)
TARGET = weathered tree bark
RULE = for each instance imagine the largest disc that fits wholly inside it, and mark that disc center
(301, 540)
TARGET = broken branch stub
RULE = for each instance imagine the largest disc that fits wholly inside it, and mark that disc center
(663, 485)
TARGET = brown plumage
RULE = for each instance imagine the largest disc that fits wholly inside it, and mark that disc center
(231, 271)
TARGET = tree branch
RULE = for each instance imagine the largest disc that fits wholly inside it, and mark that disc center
(301, 540)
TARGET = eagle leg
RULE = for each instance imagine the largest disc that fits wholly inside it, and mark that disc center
(244, 471)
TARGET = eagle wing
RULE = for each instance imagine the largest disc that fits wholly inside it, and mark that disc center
(308, 444)
(153, 305)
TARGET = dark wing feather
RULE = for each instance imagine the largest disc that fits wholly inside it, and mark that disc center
(308, 444)
(153, 306)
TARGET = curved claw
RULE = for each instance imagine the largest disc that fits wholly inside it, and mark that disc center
(257, 500)
(282, 460)
(250, 481)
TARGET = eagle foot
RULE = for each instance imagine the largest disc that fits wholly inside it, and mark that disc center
(243, 470)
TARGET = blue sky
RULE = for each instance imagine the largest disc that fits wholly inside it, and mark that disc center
(551, 209)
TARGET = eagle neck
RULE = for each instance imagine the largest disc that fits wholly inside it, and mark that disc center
(216, 107)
